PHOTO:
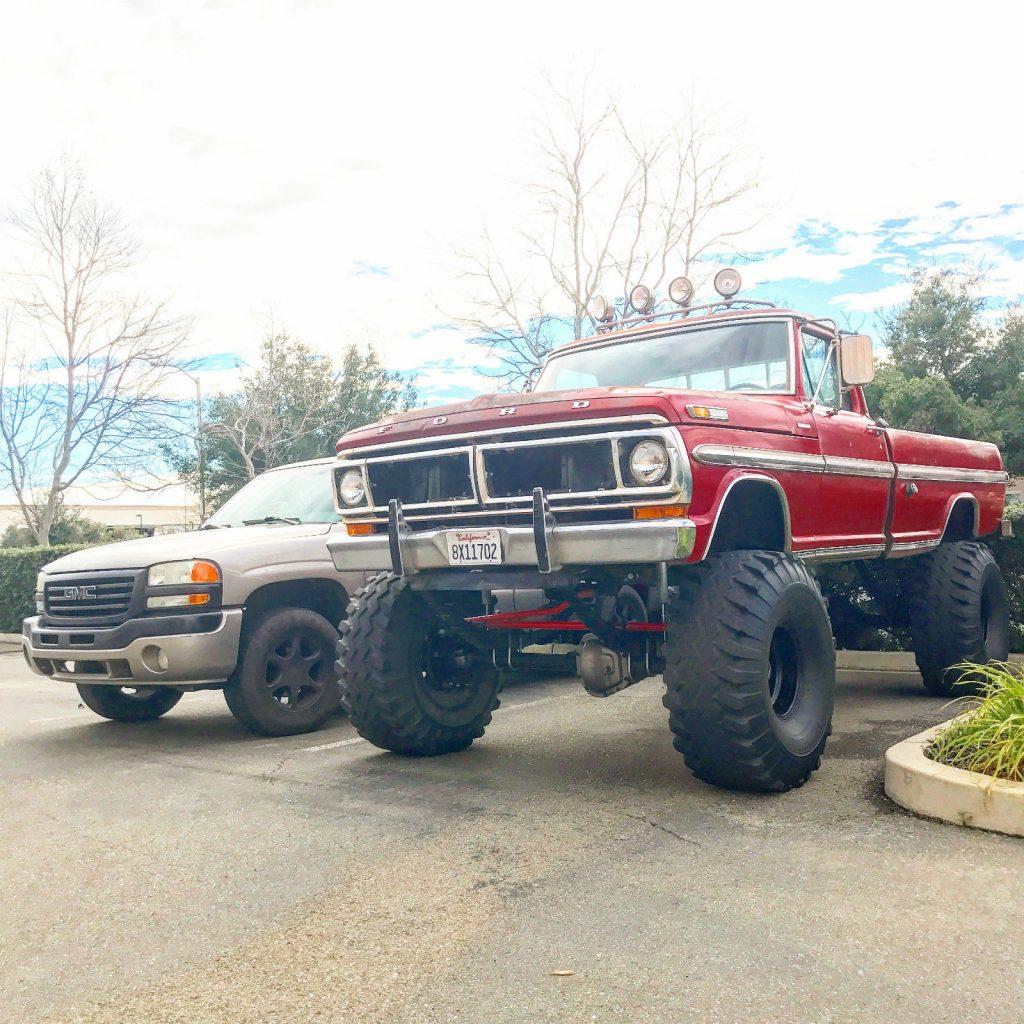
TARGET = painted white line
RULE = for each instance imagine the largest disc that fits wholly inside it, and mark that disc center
(331, 746)
(56, 718)
(509, 707)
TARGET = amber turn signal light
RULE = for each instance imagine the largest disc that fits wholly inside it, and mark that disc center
(660, 511)
(360, 529)
(204, 572)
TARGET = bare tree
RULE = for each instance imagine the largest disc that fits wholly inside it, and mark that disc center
(611, 206)
(84, 366)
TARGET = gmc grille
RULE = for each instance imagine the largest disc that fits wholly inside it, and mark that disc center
(96, 597)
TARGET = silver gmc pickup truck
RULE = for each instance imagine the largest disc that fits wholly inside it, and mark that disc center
(249, 604)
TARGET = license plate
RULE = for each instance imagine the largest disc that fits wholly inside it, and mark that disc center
(473, 547)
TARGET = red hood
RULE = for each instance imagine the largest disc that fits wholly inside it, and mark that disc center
(769, 412)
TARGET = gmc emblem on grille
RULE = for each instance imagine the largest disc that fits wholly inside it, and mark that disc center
(87, 593)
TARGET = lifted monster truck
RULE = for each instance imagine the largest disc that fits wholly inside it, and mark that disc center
(247, 604)
(662, 494)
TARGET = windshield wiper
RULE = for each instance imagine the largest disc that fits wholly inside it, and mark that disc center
(272, 519)
(215, 526)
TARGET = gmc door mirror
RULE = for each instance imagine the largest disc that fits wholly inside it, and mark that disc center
(858, 359)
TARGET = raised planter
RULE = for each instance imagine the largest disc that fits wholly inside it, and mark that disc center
(937, 790)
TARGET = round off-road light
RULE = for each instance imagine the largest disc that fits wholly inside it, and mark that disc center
(641, 298)
(648, 462)
(680, 290)
(728, 282)
(600, 309)
(351, 488)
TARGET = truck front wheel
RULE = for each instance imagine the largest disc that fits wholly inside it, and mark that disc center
(411, 682)
(750, 671)
(129, 704)
(958, 613)
(285, 682)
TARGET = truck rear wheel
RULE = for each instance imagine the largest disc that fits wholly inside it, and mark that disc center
(129, 704)
(750, 671)
(958, 613)
(285, 682)
(409, 682)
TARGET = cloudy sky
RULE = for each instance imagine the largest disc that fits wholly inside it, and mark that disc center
(313, 161)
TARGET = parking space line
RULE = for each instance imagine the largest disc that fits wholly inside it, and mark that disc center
(56, 718)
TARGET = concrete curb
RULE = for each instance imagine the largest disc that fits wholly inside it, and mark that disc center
(936, 790)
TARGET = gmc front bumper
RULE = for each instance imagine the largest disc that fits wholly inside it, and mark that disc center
(545, 546)
(197, 650)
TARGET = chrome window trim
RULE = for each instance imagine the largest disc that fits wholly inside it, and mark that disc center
(950, 474)
(650, 419)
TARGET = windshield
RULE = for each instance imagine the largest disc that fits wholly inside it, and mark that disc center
(725, 357)
(301, 494)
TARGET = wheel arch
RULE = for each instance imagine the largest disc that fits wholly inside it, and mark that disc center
(323, 596)
(738, 499)
(963, 518)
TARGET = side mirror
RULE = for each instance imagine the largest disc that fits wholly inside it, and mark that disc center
(857, 358)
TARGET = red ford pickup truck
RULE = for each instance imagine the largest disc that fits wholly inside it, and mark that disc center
(660, 498)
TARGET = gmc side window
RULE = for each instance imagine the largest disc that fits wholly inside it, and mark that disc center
(815, 351)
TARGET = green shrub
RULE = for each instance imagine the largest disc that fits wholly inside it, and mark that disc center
(989, 736)
(18, 570)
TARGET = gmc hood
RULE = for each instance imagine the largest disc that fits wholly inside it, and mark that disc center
(497, 411)
(220, 546)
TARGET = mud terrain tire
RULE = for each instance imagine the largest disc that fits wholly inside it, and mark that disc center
(750, 671)
(409, 683)
(959, 612)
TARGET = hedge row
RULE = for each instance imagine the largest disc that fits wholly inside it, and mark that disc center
(18, 570)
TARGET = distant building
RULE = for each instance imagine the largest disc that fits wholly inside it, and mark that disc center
(169, 510)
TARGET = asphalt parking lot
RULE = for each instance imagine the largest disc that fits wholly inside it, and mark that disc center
(185, 871)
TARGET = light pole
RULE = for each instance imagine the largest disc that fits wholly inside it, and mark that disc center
(199, 443)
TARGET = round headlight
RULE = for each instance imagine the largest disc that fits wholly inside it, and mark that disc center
(728, 282)
(641, 298)
(648, 462)
(600, 309)
(680, 291)
(352, 488)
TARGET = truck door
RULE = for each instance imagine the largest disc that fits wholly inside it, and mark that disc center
(858, 471)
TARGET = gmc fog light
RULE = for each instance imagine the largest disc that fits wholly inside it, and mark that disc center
(648, 462)
(351, 487)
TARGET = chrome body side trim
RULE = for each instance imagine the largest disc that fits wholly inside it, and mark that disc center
(914, 547)
(841, 466)
(951, 474)
(758, 458)
(843, 553)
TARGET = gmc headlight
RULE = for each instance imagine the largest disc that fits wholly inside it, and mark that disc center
(352, 488)
(649, 462)
(177, 574)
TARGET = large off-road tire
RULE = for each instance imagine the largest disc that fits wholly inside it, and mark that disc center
(750, 671)
(409, 682)
(285, 681)
(129, 704)
(959, 613)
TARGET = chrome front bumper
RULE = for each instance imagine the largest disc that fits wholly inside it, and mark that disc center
(192, 659)
(545, 546)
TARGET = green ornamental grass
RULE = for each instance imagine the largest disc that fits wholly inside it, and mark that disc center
(988, 737)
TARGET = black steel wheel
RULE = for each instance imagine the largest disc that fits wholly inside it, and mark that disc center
(285, 682)
(411, 681)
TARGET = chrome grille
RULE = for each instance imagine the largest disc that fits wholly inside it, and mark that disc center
(579, 465)
(95, 597)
